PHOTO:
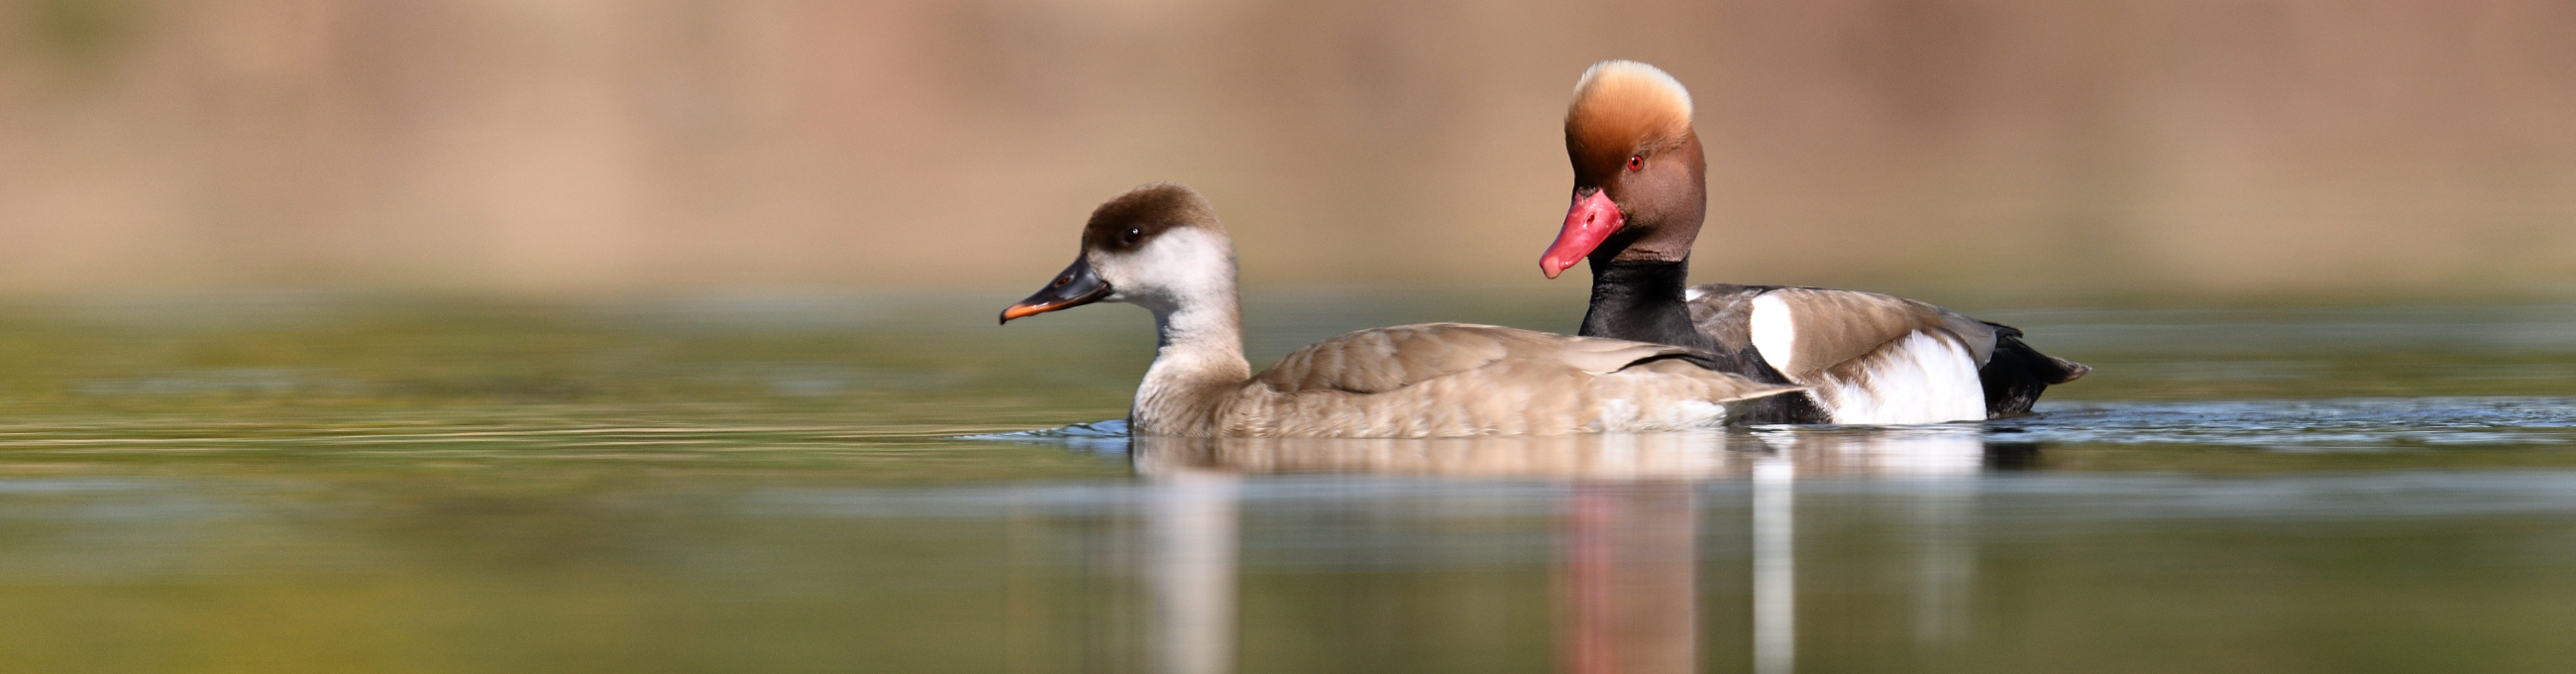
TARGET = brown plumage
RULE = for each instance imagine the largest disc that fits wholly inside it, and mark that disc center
(1453, 379)
(1659, 456)
(1148, 211)
(1836, 327)
(1161, 247)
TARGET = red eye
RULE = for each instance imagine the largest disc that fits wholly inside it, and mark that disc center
(1636, 162)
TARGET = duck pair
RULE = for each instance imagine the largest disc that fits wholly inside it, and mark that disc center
(1653, 354)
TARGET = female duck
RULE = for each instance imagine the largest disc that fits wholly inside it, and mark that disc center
(1160, 247)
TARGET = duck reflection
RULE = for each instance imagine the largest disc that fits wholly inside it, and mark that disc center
(1628, 558)
(1190, 570)
(1628, 581)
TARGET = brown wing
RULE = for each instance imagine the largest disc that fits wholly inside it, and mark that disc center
(1831, 326)
(1722, 311)
(1386, 359)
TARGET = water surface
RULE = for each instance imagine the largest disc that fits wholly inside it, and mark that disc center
(287, 483)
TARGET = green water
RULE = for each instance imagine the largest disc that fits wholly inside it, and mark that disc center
(332, 483)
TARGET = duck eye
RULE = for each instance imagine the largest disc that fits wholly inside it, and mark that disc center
(1131, 235)
(1636, 162)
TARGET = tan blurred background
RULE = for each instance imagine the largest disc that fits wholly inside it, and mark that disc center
(2252, 147)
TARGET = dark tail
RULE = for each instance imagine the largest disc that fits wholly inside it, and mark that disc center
(2017, 374)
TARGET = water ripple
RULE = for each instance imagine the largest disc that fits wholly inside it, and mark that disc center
(2346, 424)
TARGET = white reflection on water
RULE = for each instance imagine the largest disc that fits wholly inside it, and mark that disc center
(1775, 589)
(1945, 562)
(1629, 551)
(1190, 570)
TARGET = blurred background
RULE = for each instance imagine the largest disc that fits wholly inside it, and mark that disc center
(2255, 148)
(657, 335)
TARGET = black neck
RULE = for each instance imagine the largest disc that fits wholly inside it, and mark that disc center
(1642, 300)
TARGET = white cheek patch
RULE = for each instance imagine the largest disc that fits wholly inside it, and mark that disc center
(1922, 379)
(1182, 266)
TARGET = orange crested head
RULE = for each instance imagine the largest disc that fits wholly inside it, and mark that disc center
(1640, 184)
(1621, 110)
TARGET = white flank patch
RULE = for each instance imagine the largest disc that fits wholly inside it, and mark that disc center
(1773, 333)
(1698, 414)
(1692, 294)
(1617, 414)
(1677, 415)
(1921, 379)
